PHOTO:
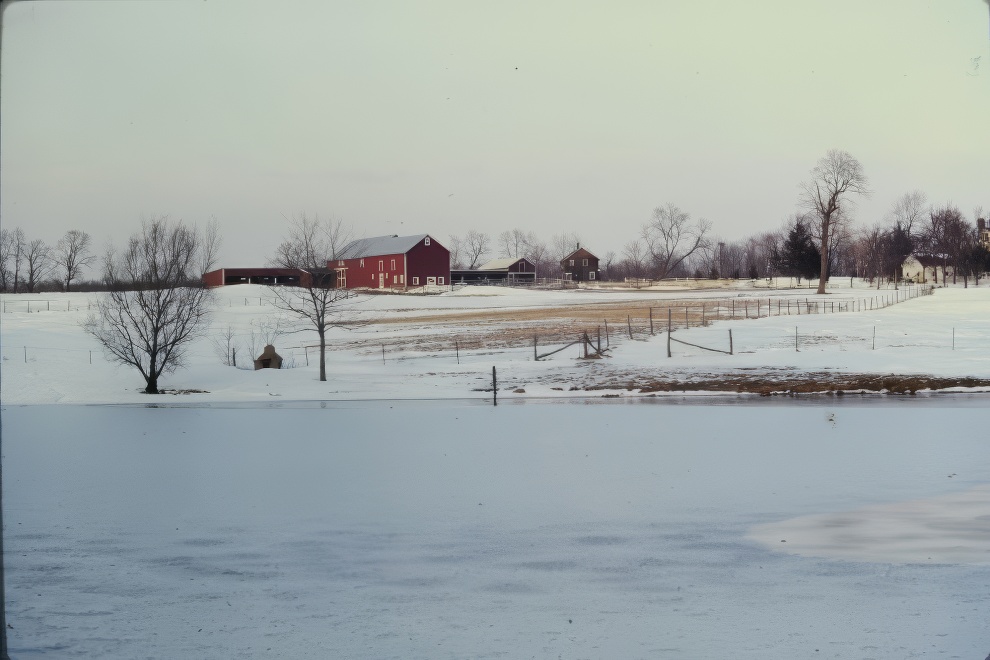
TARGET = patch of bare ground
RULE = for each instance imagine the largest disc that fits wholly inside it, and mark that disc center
(774, 382)
(516, 327)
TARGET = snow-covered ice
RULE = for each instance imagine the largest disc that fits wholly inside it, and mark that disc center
(276, 516)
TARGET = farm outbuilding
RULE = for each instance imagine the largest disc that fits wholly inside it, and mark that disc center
(268, 276)
(268, 359)
(580, 266)
(498, 271)
(392, 262)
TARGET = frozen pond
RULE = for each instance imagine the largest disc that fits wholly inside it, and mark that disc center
(452, 530)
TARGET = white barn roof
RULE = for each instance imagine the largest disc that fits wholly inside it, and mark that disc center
(373, 247)
(500, 264)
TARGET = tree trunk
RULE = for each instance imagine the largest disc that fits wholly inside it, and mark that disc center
(323, 355)
(824, 253)
(152, 387)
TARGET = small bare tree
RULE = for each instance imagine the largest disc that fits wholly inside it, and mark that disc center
(310, 246)
(836, 176)
(151, 314)
(72, 254)
(224, 344)
(264, 332)
(670, 237)
(211, 246)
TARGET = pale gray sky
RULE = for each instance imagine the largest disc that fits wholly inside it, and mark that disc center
(438, 117)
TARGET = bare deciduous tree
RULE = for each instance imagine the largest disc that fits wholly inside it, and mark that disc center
(512, 243)
(910, 210)
(7, 250)
(538, 252)
(455, 245)
(635, 259)
(311, 244)
(211, 246)
(151, 314)
(37, 262)
(670, 237)
(72, 254)
(476, 245)
(224, 344)
(12, 244)
(836, 176)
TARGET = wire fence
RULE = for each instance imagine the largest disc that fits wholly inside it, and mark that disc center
(592, 340)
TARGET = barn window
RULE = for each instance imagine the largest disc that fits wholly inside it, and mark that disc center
(381, 265)
(570, 263)
(393, 264)
(584, 262)
(415, 281)
(591, 275)
(440, 280)
(340, 263)
(362, 263)
(427, 241)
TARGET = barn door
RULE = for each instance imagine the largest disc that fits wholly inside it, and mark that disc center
(381, 280)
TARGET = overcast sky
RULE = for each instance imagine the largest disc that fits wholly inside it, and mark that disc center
(412, 117)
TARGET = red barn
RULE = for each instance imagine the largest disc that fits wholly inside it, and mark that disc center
(392, 262)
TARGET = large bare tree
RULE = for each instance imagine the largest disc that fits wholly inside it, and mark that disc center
(670, 237)
(910, 211)
(475, 246)
(12, 247)
(72, 254)
(8, 249)
(834, 179)
(310, 245)
(154, 308)
(38, 263)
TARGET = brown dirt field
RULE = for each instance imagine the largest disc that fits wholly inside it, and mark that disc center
(515, 328)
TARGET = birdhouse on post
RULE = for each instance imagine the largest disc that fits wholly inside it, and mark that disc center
(268, 359)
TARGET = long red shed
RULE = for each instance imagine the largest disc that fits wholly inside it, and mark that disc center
(392, 262)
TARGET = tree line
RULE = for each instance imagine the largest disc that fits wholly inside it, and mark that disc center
(819, 240)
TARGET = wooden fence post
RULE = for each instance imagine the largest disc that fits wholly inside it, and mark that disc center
(730, 341)
(494, 388)
(608, 344)
(536, 357)
(629, 325)
(600, 339)
(668, 332)
(651, 321)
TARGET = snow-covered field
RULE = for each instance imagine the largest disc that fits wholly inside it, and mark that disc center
(393, 512)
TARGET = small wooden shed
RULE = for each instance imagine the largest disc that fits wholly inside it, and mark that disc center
(268, 359)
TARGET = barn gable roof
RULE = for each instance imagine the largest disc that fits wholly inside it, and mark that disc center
(372, 247)
(579, 253)
(501, 264)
